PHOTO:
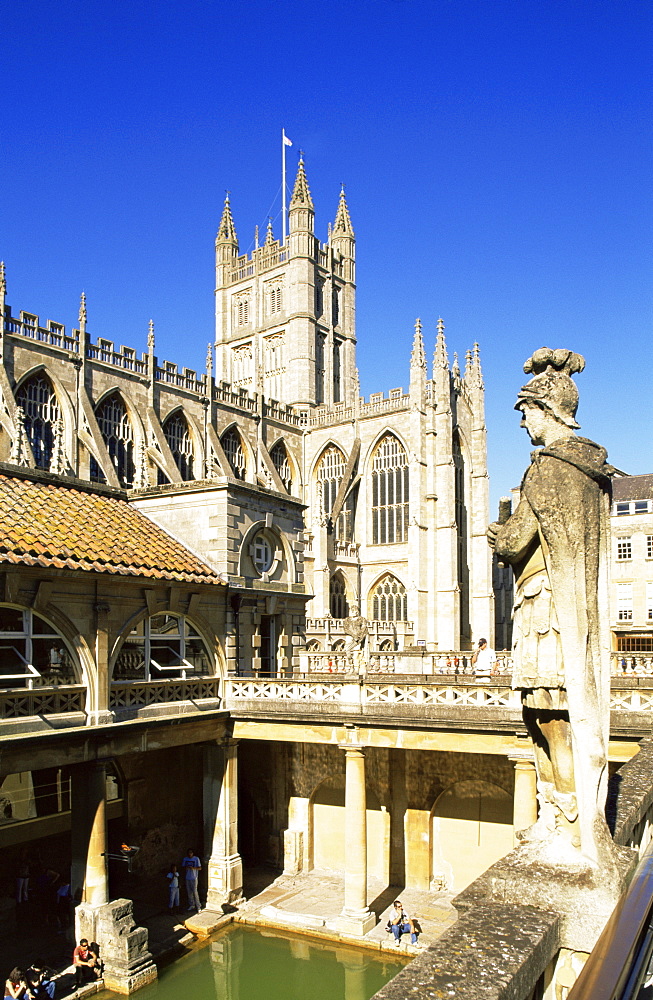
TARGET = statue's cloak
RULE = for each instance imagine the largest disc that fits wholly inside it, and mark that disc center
(568, 489)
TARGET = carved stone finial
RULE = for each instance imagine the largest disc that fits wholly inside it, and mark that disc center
(256, 237)
(19, 446)
(82, 312)
(3, 279)
(440, 358)
(150, 336)
(58, 458)
(269, 234)
(209, 358)
(418, 354)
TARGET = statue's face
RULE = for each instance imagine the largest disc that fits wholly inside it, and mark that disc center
(536, 421)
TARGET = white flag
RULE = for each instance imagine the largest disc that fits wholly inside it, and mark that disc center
(286, 140)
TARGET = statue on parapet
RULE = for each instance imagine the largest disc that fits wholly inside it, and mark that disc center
(557, 543)
(356, 627)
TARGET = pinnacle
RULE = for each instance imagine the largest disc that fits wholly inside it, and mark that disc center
(226, 229)
(301, 196)
(3, 279)
(269, 235)
(440, 359)
(150, 335)
(82, 308)
(342, 226)
(418, 355)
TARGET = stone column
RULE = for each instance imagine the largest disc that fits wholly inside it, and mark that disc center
(525, 794)
(89, 834)
(225, 866)
(356, 917)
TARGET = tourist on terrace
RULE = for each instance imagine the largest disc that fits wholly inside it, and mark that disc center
(484, 661)
(85, 962)
(401, 923)
(173, 888)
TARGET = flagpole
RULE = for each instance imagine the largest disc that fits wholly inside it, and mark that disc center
(283, 184)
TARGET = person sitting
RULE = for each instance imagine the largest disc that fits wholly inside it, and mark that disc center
(40, 984)
(16, 985)
(85, 963)
(401, 923)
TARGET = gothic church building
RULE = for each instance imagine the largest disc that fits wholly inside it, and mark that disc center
(306, 498)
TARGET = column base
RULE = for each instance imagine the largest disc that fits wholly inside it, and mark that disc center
(225, 881)
(128, 964)
(358, 922)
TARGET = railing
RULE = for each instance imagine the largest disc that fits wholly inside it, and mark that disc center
(137, 694)
(370, 693)
(183, 380)
(22, 703)
(625, 664)
(53, 334)
(617, 967)
(385, 405)
(126, 359)
(324, 416)
(225, 394)
(262, 260)
(285, 414)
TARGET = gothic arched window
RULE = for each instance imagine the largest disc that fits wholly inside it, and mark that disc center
(279, 457)
(33, 651)
(329, 476)
(37, 399)
(118, 435)
(181, 444)
(389, 601)
(338, 597)
(389, 492)
(233, 449)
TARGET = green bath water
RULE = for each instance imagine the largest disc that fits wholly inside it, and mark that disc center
(249, 964)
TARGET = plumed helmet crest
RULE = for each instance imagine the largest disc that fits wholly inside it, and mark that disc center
(552, 386)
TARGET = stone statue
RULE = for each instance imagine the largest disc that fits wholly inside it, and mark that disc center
(557, 543)
(356, 627)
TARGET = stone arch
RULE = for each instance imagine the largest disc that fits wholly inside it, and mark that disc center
(294, 479)
(121, 446)
(124, 663)
(471, 828)
(341, 596)
(327, 829)
(244, 470)
(30, 635)
(188, 461)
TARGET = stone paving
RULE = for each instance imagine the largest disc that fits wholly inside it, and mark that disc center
(311, 903)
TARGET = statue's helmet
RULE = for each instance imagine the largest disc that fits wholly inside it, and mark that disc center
(552, 387)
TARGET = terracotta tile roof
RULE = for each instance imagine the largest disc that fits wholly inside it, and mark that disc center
(53, 524)
(633, 487)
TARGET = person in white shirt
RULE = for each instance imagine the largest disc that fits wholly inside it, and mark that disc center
(484, 661)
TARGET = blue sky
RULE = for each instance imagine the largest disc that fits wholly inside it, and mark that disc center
(497, 157)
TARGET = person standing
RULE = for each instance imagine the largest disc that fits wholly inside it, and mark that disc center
(192, 865)
(173, 888)
(484, 661)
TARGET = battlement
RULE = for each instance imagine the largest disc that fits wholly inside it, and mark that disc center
(272, 254)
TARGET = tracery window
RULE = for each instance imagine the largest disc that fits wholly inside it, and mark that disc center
(329, 477)
(389, 601)
(233, 449)
(390, 492)
(32, 652)
(37, 399)
(279, 458)
(338, 597)
(164, 646)
(118, 435)
(181, 444)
